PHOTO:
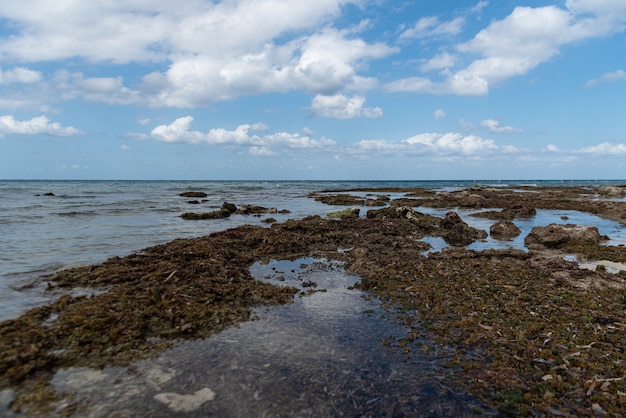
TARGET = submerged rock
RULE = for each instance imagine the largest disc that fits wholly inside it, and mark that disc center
(193, 194)
(185, 403)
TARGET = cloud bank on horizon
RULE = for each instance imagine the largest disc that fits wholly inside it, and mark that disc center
(324, 89)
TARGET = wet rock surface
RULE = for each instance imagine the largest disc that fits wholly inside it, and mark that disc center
(524, 332)
(556, 235)
(504, 230)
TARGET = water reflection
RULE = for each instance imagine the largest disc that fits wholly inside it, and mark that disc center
(320, 356)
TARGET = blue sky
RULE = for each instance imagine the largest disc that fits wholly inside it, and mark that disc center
(313, 89)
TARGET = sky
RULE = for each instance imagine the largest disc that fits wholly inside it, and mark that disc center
(313, 89)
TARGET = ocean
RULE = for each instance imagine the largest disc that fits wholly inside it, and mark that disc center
(46, 225)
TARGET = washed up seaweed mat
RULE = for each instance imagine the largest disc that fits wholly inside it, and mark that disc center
(526, 333)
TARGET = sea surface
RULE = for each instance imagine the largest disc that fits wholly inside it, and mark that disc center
(46, 226)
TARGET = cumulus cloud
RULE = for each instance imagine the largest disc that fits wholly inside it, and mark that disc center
(494, 126)
(439, 114)
(605, 149)
(19, 75)
(180, 131)
(451, 144)
(618, 75)
(515, 45)
(343, 107)
(438, 62)
(297, 50)
(39, 125)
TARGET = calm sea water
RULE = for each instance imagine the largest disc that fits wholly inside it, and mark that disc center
(87, 222)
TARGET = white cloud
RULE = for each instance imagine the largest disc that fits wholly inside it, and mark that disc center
(615, 76)
(515, 45)
(552, 148)
(19, 75)
(605, 148)
(494, 126)
(439, 114)
(439, 145)
(179, 132)
(125, 148)
(343, 107)
(480, 6)
(264, 47)
(438, 62)
(432, 26)
(39, 125)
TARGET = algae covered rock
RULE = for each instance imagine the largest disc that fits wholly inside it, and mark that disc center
(555, 235)
(504, 230)
(350, 213)
(457, 232)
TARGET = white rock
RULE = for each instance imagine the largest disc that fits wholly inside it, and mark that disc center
(185, 403)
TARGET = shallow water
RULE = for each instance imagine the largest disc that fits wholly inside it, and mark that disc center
(87, 222)
(323, 355)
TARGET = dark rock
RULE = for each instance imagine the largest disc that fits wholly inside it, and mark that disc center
(49, 194)
(193, 202)
(521, 211)
(254, 210)
(504, 230)
(427, 223)
(555, 235)
(193, 194)
(218, 214)
(457, 232)
(229, 207)
(471, 201)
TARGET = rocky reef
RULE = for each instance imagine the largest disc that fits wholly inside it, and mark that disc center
(525, 331)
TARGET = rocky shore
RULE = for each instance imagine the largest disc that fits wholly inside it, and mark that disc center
(526, 332)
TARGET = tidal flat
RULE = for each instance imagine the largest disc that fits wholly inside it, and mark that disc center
(457, 331)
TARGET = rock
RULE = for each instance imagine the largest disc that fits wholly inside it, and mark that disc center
(218, 214)
(555, 235)
(612, 191)
(457, 232)
(520, 211)
(185, 403)
(350, 213)
(49, 194)
(504, 230)
(427, 223)
(229, 207)
(193, 194)
(254, 210)
(471, 201)
(375, 202)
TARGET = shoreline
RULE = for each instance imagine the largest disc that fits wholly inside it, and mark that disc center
(192, 288)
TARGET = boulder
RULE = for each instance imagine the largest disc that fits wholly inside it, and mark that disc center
(457, 232)
(555, 235)
(229, 207)
(504, 230)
